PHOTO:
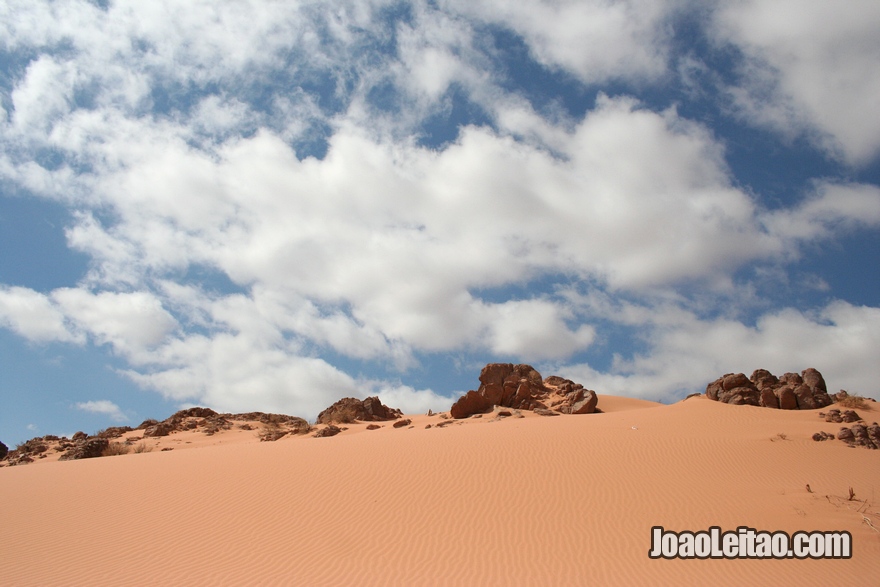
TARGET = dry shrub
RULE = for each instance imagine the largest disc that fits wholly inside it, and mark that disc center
(855, 402)
(142, 447)
(115, 448)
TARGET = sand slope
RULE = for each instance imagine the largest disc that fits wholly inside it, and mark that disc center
(567, 500)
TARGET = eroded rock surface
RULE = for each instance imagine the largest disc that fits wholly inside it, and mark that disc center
(349, 409)
(792, 391)
(521, 387)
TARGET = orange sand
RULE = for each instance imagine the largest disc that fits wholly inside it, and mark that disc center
(567, 500)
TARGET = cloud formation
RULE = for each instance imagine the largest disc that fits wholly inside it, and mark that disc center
(264, 204)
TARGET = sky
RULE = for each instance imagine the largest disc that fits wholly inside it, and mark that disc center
(259, 205)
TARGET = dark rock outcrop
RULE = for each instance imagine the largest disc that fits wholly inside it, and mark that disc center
(349, 409)
(521, 387)
(861, 435)
(4, 450)
(836, 416)
(160, 429)
(330, 430)
(402, 423)
(806, 391)
(86, 449)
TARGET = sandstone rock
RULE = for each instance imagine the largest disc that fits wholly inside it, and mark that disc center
(521, 387)
(763, 379)
(373, 427)
(349, 409)
(402, 423)
(768, 398)
(787, 399)
(544, 412)
(820, 436)
(195, 412)
(79, 436)
(470, 403)
(330, 430)
(114, 432)
(835, 415)
(845, 434)
(789, 392)
(86, 449)
(159, 429)
(272, 434)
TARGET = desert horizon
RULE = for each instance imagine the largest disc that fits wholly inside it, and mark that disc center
(502, 496)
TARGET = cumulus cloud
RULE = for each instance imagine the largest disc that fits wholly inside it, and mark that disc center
(181, 131)
(686, 352)
(594, 40)
(105, 407)
(34, 316)
(811, 67)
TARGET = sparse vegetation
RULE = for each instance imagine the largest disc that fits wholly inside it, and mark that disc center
(142, 447)
(855, 402)
(115, 448)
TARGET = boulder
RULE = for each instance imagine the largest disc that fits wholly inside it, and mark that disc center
(792, 391)
(402, 423)
(4, 450)
(86, 449)
(330, 430)
(349, 409)
(159, 429)
(521, 387)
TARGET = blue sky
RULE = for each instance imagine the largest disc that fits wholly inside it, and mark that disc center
(269, 206)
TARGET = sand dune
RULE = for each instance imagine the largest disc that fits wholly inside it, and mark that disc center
(567, 500)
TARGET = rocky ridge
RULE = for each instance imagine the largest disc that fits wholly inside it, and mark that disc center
(521, 387)
(792, 391)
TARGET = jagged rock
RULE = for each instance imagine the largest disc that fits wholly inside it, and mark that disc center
(402, 423)
(159, 429)
(330, 430)
(4, 450)
(545, 412)
(349, 409)
(861, 435)
(114, 432)
(272, 435)
(789, 392)
(835, 415)
(521, 387)
(86, 449)
(194, 412)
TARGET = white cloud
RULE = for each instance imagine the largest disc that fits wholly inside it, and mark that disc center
(593, 39)
(236, 372)
(34, 316)
(105, 407)
(130, 322)
(685, 352)
(384, 250)
(813, 66)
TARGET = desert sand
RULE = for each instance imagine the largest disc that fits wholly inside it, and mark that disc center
(567, 500)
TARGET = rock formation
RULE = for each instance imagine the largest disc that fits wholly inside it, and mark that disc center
(4, 450)
(861, 435)
(349, 409)
(89, 448)
(205, 420)
(806, 391)
(521, 387)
